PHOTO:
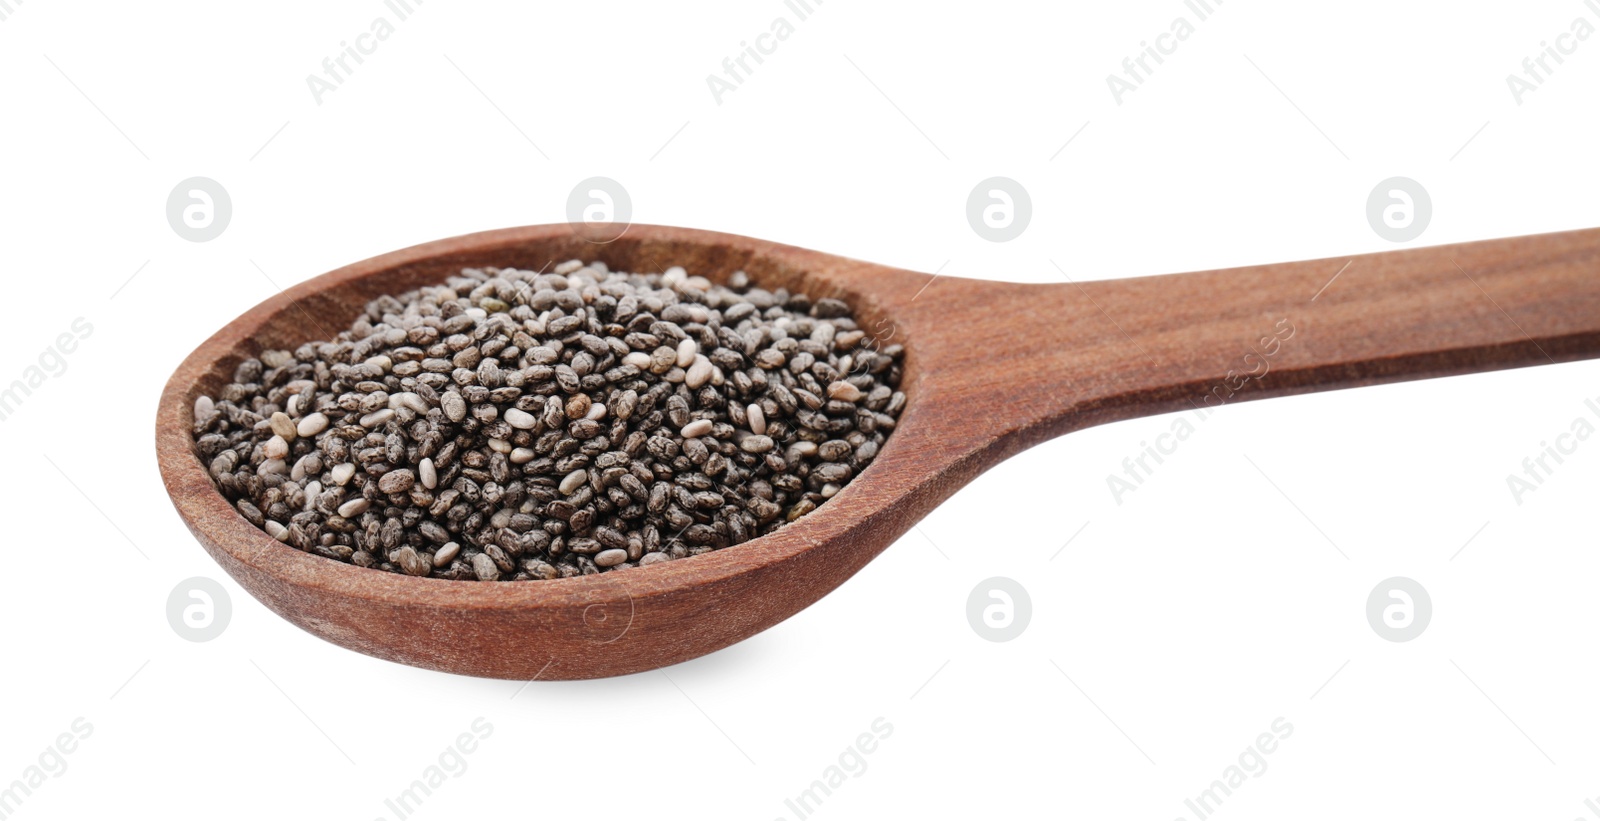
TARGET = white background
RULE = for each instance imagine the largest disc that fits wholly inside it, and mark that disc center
(1166, 636)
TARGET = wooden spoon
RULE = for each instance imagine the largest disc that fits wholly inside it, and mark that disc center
(991, 368)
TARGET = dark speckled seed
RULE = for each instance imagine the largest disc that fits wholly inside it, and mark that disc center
(251, 513)
(568, 379)
(412, 563)
(397, 481)
(832, 472)
(501, 559)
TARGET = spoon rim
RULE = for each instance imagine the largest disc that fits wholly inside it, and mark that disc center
(229, 537)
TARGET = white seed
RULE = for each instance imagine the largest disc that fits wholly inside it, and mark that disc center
(204, 407)
(596, 412)
(313, 490)
(277, 531)
(574, 480)
(652, 558)
(276, 448)
(342, 473)
(312, 424)
(427, 473)
(354, 507)
(273, 466)
(758, 419)
(673, 276)
(844, 391)
(699, 372)
(499, 446)
(409, 400)
(521, 420)
(377, 418)
(522, 456)
(828, 490)
(696, 429)
(283, 425)
(611, 558)
(381, 362)
(687, 349)
(446, 554)
(638, 359)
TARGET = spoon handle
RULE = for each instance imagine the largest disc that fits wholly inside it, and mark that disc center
(1217, 337)
(1078, 354)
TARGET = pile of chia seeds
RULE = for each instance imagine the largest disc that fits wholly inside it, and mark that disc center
(511, 425)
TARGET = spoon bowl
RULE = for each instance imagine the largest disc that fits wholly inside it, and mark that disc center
(990, 369)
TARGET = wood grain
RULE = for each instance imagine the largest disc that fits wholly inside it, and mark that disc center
(991, 369)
